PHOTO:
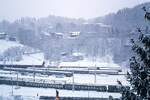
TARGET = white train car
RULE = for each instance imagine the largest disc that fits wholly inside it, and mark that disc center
(90, 66)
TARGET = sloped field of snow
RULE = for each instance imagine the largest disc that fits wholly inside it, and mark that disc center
(32, 59)
(4, 45)
(35, 59)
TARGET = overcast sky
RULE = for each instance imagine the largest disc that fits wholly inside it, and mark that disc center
(12, 9)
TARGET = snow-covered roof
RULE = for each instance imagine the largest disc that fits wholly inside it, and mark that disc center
(72, 34)
(2, 33)
(77, 54)
(59, 33)
(103, 25)
(46, 33)
(100, 24)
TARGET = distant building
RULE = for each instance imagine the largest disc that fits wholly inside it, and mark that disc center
(3, 35)
(73, 34)
(12, 37)
(53, 35)
(59, 35)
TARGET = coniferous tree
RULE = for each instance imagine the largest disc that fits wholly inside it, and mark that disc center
(139, 75)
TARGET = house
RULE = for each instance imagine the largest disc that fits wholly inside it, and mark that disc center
(56, 35)
(3, 35)
(73, 34)
(59, 35)
(12, 37)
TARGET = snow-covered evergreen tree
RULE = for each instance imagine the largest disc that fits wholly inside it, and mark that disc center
(139, 75)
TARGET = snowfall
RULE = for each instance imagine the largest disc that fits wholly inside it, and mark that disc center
(38, 58)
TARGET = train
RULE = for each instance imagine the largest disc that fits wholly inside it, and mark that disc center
(77, 87)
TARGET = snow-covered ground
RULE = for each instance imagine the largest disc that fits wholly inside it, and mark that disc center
(4, 45)
(35, 59)
(30, 59)
(38, 58)
(6, 90)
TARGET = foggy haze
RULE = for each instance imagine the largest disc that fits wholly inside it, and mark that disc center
(13, 9)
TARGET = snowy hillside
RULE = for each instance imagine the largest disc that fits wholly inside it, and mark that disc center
(4, 45)
(27, 55)
(125, 19)
(32, 59)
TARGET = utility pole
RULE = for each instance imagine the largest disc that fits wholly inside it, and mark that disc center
(73, 81)
(17, 78)
(88, 85)
(95, 74)
(12, 92)
(34, 76)
(95, 77)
